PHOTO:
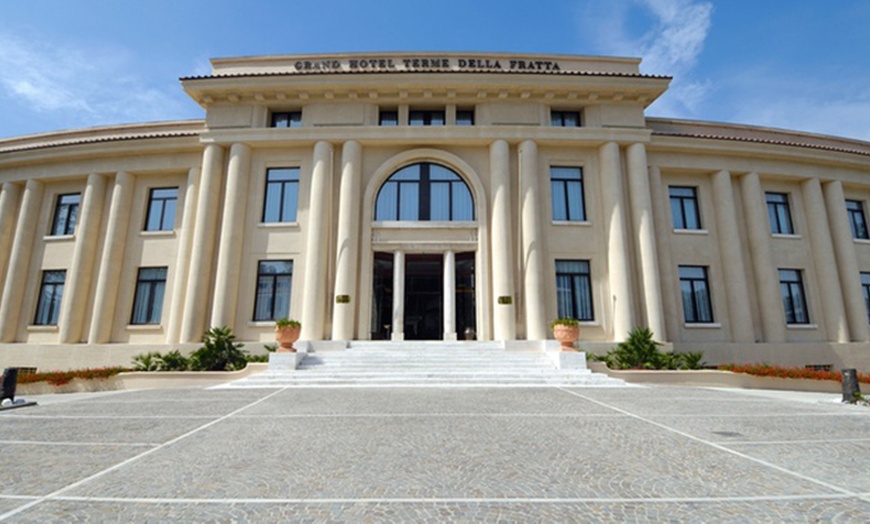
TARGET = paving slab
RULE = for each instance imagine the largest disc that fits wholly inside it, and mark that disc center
(88, 430)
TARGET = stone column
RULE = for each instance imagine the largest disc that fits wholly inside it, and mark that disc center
(822, 249)
(202, 249)
(229, 261)
(667, 268)
(733, 270)
(504, 317)
(314, 283)
(644, 229)
(9, 197)
(398, 328)
(347, 246)
(847, 262)
(109, 275)
(182, 257)
(19, 260)
(617, 249)
(533, 243)
(449, 295)
(766, 275)
(78, 279)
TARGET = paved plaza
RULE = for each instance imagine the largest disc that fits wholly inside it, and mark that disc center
(639, 454)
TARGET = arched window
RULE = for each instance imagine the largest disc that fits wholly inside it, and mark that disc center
(424, 191)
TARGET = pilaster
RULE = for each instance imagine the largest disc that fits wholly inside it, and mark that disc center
(532, 243)
(19, 259)
(314, 284)
(504, 317)
(617, 249)
(347, 247)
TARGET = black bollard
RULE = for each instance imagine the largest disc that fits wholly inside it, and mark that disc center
(10, 381)
(851, 389)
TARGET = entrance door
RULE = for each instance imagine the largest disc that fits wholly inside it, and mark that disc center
(465, 307)
(424, 297)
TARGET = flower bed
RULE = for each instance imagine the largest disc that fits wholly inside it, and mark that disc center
(58, 378)
(767, 370)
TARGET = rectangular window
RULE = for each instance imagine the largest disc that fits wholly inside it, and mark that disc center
(684, 207)
(865, 288)
(793, 298)
(566, 187)
(389, 117)
(287, 119)
(50, 295)
(697, 307)
(565, 118)
(780, 216)
(426, 118)
(66, 212)
(465, 117)
(274, 281)
(855, 209)
(148, 301)
(282, 194)
(161, 209)
(574, 289)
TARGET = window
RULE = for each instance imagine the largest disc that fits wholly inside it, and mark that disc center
(274, 281)
(287, 119)
(780, 216)
(161, 209)
(389, 117)
(574, 289)
(566, 186)
(793, 299)
(565, 118)
(424, 191)
(465, 117)
(684, 207)
(697, 308)
(148, 301)
(50, 294)
(426, 118)
(282, 194)
(65, 214)
(865, 288)
(855, 209)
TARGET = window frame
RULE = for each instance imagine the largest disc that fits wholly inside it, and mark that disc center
(427, 117)
(576, 280)
(424, 184)
(789, 289)
(274, 287)
(465, 117)
(865, 289)
(558, 118)
(156, 294)
(382, 121)
(293, 119)
(701, 297)
(281, 186)
(163, 202)
(857, 219)
(563, 183)
(51, 310)
(684, 202)
(779, 211)
(66, 224)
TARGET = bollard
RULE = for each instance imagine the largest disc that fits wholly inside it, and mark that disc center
(851, 389)
(10, 380)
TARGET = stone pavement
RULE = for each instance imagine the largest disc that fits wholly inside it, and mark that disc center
(639, 454)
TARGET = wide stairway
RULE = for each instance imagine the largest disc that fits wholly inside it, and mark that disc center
(425, 364)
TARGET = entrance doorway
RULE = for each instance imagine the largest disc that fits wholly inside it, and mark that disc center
(424, 297)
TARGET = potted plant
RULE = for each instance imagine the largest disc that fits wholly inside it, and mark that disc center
(286, 333)
(566, 331)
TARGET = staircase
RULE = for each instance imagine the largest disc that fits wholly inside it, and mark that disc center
(425, 364)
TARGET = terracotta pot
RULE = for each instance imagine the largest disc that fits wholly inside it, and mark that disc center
(566, 335)
(286, 336)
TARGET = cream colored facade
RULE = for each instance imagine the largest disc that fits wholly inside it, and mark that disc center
(357, 276)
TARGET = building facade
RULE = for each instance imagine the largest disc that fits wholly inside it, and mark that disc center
(425, 196)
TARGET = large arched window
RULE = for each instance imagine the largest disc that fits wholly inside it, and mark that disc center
(424, 191)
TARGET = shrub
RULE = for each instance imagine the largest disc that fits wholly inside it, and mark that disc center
(174, 361)
(570, 322)
(640, 351)
(147, 361)
(768, 370)
(219, 352)
(284, 322)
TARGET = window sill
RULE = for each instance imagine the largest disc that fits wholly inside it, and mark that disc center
(158, 234)
(261, 323)
(278, 225)
(786, 236)
(424, 224)
(691, 232)
(702, 325)
(559, 223)
(589, 323)
(58, 238)
(144, 327)
(802, 326)
(34, 328)
(862, 241)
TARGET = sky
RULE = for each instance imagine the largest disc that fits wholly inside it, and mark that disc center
(796, 64)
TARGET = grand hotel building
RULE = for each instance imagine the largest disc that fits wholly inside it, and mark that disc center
(424, 196)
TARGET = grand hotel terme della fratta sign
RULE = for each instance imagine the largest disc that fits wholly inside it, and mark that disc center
(410, 63)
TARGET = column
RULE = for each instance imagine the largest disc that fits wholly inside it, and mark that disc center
(504, 310)
(644, 229)
(766, 275)
(398, 328)
(449, 295)
(314, 283)
(202, 248)
(533, 248)
(19, 260)
(182, 257)
(617, 250)
(347, 247)
(733, 270)
(229, 261)
(847, 262)
(9, 197)
(109, 274)
(667, 268)
(78, 277)
(822, 249)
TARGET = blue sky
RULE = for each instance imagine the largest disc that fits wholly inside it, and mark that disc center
(801, 64)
